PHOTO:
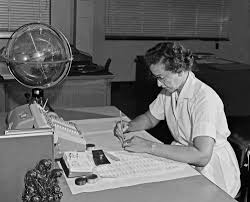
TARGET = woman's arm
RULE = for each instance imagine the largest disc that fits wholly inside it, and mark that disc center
(198, 154)
(142, 122)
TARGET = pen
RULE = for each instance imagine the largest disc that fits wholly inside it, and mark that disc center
(121, 125)
(45, 103)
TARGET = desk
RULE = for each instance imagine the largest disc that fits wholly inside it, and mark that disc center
(189, 189)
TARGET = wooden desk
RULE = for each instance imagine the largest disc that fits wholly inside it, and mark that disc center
(75, 91)
(189, 189)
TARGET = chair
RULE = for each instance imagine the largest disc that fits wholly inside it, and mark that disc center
(242, 149)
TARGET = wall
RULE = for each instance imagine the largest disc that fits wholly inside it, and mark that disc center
(123, 53)
(63, 17)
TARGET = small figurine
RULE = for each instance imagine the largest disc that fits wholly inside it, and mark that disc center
(41, 183)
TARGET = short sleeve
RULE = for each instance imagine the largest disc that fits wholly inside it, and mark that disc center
(157, 107)
(204, 116)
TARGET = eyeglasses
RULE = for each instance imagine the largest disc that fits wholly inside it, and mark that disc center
(159, 77)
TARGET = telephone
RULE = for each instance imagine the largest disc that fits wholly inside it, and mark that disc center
(66, 133)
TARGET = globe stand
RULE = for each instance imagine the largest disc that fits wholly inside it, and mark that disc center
(38, 97)
(39, 57)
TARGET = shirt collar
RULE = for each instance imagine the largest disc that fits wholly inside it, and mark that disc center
(188, 89)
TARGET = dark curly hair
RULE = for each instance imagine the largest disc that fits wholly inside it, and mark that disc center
(175, 57)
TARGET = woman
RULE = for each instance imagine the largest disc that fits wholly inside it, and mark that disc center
(194, 114)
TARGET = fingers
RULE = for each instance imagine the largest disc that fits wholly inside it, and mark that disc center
(129, 146)
(137, 144)
(120, 127)
(118, 131)
(128, 142)
(123, 126)
(120, 139)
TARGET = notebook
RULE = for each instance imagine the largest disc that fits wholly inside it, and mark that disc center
(18, 154)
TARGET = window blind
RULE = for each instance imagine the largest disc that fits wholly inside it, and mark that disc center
(15, 13)
(167, 18)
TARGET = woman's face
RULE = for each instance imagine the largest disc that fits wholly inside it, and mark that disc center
(166, 79)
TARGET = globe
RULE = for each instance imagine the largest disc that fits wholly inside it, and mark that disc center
(38, 55)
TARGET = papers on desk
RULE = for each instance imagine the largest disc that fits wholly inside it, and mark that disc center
(97, 126)
(100, 132)
(166, 170)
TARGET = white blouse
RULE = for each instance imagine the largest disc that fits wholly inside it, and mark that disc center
(199, 111)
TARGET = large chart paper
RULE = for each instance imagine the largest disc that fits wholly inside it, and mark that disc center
(166, 170)
(100, 133)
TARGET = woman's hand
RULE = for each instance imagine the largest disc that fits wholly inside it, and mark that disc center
(138, 144)
(120, 129)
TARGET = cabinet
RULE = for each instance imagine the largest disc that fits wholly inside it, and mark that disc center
(74, 92)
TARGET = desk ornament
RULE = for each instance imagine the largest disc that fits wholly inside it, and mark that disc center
(41, 183)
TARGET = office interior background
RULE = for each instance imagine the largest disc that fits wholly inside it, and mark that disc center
(82, 22)
(123, 52)
(89, 36)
